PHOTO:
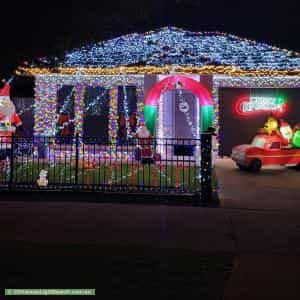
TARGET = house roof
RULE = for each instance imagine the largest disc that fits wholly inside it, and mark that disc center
(169, 48)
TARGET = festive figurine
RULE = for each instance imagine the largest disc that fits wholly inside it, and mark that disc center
(122, 126)
(43, 180)
(144, 137)
(286, 131)
(64, 124)
(133, 122)
(9, 121)
(271, 126)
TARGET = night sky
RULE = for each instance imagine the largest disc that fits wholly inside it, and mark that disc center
(37, 28)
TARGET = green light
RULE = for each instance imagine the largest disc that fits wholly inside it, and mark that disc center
(207, 115)
(296, 139)
(150, 113)
(280, 101)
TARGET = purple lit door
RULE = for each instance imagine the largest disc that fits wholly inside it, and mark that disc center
(180, 118)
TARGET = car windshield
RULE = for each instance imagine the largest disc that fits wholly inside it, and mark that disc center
(259, 142)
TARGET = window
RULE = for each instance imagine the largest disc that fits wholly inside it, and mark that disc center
(275, 145)
(65, 111)
(127, 112)
(96, 114)
(259, 142)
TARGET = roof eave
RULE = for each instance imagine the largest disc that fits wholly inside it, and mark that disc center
(144, 70)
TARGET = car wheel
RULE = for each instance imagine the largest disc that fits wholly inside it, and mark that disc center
(297, 167)
(255, 165)
(242, 167)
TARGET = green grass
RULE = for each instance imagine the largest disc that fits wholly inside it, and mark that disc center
(115, 174)
(168, 176)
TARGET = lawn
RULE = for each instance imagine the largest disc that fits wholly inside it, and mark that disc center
(131, 174)
(126, 174)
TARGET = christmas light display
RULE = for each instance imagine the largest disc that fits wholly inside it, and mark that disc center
(172, 49)
(274, 144)
(234, 62)
(113, 118)
(206, 166)
(126, 110)
(185, 108)
(47, 87)
(152, 99)
(222, 81)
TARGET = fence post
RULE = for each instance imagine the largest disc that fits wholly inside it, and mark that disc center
(11, 174)
(206, 167)
(77, 158)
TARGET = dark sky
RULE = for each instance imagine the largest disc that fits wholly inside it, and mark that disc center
(35, 28)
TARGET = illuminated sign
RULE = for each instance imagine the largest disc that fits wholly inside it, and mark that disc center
(253, 105)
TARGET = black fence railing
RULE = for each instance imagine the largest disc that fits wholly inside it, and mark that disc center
(138, 165)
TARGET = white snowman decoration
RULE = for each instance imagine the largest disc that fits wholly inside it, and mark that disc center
(43, 178)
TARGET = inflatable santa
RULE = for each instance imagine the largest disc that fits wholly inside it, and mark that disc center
(145, 144)
(9, 120)
(286, 132)
(64, 125)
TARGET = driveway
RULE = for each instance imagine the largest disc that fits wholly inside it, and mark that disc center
(274, 188)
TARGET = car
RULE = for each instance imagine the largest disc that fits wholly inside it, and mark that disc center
(265, 150)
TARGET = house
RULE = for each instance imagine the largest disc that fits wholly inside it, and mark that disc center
(178, 82)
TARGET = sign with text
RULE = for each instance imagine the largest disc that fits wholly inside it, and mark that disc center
(250, 105)
(242, 111)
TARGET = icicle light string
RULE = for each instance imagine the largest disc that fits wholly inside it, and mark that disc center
(187, 115)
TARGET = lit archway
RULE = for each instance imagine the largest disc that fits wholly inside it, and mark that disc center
(198, 89)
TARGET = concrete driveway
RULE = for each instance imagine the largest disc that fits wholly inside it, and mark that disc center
(274, 188)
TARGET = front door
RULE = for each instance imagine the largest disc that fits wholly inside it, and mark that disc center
(180, 115)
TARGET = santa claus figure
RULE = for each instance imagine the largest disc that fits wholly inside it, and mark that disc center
(286, 132)
(9, 120)
(64, 124)
(145, 143)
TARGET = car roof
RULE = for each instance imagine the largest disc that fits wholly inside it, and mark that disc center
(270, 138)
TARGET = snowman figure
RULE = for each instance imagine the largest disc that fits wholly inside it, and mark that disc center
(43, 178)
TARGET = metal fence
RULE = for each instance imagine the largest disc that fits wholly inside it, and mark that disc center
(137, 165)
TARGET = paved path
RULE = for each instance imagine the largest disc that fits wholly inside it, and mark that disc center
(200, 229)
(121, 225)
(271, 189)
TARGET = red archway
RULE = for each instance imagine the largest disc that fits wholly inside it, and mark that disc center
(198, 89)
(168, 83)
